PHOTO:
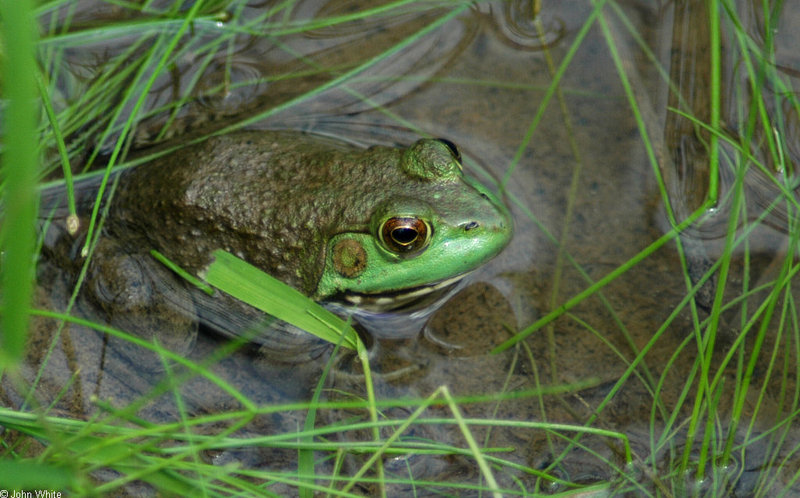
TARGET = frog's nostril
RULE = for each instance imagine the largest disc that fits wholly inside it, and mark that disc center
(470, 225)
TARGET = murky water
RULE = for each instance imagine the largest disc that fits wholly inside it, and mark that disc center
(585, 201)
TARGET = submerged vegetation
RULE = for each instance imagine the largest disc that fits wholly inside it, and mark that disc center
(124, 76)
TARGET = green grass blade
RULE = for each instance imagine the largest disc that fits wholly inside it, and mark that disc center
(27, 474)
(19, 166)
(249, 284)
(182, 273)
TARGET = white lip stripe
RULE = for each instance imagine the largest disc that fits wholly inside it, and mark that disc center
(379, 301)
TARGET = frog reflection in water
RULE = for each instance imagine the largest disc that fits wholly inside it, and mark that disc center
(378, 228)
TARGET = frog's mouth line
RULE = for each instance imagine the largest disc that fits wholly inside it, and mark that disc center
(386, 301)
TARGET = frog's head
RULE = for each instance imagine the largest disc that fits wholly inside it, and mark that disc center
(435, 226)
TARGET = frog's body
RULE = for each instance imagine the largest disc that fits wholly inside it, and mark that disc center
(286, 202)
(375, 227)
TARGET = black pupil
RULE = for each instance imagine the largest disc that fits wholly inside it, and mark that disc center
(453, 149)
(404, 235)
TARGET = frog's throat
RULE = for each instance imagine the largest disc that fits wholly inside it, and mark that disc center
(386, 301)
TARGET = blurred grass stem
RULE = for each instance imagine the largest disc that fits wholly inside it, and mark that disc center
(19, 165)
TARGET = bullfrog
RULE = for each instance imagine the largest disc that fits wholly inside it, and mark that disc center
(378, 228)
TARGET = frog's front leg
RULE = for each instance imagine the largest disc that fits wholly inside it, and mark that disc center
(137, 294)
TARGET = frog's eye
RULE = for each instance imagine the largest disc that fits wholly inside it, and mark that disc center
(405, 235)
(453, 149)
